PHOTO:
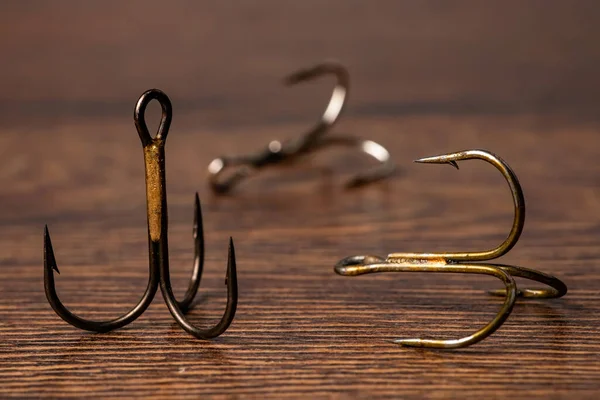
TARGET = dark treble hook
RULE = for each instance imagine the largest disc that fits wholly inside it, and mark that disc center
(278, 152)
(466, 262)
(158, 246)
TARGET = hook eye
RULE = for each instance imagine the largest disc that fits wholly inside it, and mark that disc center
(140, 118)
(356, 265)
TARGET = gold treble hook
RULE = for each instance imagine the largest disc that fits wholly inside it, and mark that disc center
(277, 152)
(466, 262)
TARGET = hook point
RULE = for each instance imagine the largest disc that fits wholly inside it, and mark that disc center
(436, 160)
(197, 227)
(298, 76)
(49, 259)
(409, 342)
(290, 80)
(231, 264)
(197, 208)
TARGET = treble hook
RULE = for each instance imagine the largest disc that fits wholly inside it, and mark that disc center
(462, 262)
(158, 244)
(278, 152)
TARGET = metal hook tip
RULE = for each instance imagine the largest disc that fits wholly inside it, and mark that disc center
(326, 67)
(49, 259)
(231, 264)
(293, 79)
(300, 76)
(437, 160)
(409, 342)
(197, 228)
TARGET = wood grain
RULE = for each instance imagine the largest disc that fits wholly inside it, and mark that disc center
(429, 78)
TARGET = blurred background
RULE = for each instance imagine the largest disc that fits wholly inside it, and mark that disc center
(222, 62)
(517, 77)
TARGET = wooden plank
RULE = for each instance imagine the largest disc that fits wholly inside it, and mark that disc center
(72, 159)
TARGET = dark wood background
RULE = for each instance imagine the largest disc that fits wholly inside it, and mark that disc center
(519, 78)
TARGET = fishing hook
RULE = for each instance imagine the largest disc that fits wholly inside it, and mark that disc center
(278, 152)
(462, 262)
(158, 249)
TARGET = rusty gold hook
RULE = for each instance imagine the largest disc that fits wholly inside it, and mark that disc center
(359, 265)
(462, 262)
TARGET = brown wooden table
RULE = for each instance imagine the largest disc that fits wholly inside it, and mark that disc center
(517, 78)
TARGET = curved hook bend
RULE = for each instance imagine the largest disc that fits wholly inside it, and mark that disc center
(359, 265)
(334, 109)
(95, 326)
(50, 266)
(515, 190)
(230, 309)
(557, 287)
(278, 152)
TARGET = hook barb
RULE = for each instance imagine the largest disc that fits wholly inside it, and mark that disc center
(49, 259)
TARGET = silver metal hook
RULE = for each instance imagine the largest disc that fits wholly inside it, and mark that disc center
(278, 152)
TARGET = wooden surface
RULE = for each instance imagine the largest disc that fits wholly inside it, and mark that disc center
(517, 78)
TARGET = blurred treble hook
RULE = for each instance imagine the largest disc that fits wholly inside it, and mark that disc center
(278, 152)
(158, 244)
(463, 262)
